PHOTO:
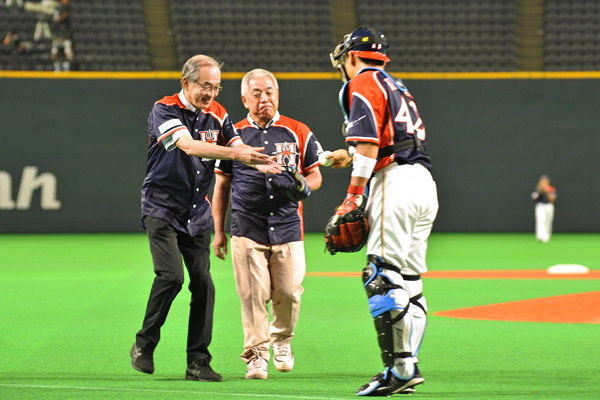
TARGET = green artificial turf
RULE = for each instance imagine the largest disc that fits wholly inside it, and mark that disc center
(70, 306)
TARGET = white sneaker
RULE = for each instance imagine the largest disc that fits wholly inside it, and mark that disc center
(283, 358)
(257, 368)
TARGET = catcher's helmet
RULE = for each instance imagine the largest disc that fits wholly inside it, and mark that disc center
(365, 42)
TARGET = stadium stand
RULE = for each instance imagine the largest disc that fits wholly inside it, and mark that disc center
(110, 35)
(106, 35)
(293, 36)
(572, 35)
(278, 35)
(23, 54)
(446, 35)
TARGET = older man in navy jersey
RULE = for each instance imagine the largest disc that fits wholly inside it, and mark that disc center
(266, 224)
(188, 131)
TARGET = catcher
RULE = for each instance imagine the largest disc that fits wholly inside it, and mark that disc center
(387, 138)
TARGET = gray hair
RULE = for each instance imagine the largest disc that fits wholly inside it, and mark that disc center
(257, 72)
(191, 68)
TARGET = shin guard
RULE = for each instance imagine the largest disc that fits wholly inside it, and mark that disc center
(388, 304)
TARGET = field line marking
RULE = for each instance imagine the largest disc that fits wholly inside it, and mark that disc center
(195, 392)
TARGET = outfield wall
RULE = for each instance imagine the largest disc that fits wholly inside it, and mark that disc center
(73, 151)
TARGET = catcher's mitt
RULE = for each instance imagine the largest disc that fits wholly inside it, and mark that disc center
(347, 231)
(291, 183)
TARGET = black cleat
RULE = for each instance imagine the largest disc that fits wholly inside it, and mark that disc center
(201, 370)
(387, 384)
(142, 361)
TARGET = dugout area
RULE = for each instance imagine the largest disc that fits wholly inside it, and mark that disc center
(71, 305)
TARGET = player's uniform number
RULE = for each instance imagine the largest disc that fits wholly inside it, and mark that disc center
(404, 117)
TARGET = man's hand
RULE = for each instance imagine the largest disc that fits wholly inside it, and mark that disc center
(341, 159)
(270, 168)
(251, 155)
(219, 245)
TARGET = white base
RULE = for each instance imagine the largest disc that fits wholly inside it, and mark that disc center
(568, 269)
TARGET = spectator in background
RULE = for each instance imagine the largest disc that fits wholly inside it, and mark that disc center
(11, 42)
(62, 54)
(63, 17)
(544, 195)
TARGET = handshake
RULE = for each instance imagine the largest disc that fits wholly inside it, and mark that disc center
(291, 183)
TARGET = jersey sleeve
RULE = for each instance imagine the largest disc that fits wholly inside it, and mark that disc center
(230, 136)
(165, 126)
(311, 152)
(224, 167)
(367, 104)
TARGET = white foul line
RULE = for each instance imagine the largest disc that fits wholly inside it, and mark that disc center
(195, 392)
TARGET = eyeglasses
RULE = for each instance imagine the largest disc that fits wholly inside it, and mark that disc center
(209, 88)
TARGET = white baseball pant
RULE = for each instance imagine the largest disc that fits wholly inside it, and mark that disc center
(544, 216)
(401, 209)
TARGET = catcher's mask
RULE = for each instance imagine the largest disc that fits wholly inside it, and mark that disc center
(365, 42)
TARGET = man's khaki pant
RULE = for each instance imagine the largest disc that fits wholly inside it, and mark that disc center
(266, 273)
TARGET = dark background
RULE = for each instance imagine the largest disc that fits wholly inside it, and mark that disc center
(490, 140)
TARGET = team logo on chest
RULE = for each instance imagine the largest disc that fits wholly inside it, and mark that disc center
(286, 151)
(209, 136)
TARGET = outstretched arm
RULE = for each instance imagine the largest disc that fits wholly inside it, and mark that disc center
(244, 153)
(341, 158)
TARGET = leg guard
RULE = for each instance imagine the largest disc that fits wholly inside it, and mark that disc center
(389, 303)
(414, 286)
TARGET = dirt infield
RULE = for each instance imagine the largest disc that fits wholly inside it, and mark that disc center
(579, 308)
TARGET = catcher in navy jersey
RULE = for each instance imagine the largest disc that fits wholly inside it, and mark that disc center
(387, 138)
(266, 223)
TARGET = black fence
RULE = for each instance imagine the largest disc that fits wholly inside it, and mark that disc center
(73, 151)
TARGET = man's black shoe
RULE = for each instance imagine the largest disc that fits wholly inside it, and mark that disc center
(387, 383)
(201, 370)
(142, 361)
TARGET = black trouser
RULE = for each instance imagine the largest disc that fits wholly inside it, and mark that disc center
(167, 246)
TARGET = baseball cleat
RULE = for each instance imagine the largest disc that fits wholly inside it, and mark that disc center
(142, 361)
(388, 383)
(283, 358)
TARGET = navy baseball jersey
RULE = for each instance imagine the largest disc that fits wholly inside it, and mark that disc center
(176, 184)
(543, 197)
(379, 109)
(258, 212)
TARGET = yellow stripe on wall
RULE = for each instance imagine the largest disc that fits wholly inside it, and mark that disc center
(303, 75)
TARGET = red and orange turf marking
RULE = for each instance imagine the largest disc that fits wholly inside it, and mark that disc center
(579, 308)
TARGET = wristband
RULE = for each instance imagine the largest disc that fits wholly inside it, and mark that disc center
(363, 166)
(356, 190)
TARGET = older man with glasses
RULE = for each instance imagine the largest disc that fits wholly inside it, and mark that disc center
(187, 132)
